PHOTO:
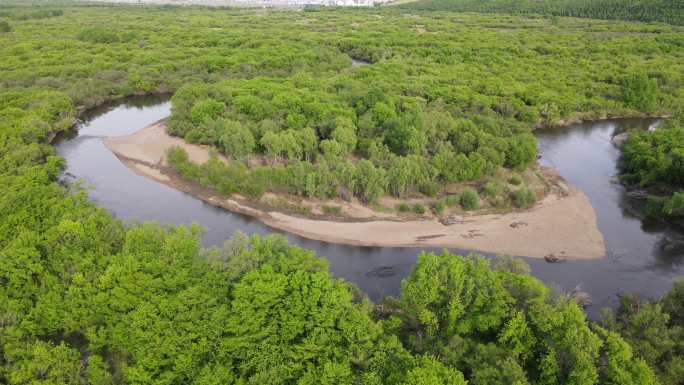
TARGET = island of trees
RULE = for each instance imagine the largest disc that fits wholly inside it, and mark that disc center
(85, 298)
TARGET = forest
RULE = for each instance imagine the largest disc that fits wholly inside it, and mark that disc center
(344, 137)
(654, 160)
(666, 11)
(87, 298)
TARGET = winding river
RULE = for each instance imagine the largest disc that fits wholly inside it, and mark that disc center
(642, 256)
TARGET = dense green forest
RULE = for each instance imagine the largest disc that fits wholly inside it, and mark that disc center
(85, 298)
(342, 135)
(654, 160)
(667, 11)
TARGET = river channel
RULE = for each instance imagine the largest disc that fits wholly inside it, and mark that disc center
(642, 255)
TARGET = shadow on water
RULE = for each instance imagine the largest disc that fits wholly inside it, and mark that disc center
(643, 256)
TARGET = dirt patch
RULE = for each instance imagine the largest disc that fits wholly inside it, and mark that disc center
(150, 144)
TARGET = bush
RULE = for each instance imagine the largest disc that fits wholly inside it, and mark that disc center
(640, 92)
(429, 188)
(331, 209)
(438, 207)
(5, 27)
(98, 35)
(493, 189)
(524, 198)
(419, 209)
(452, 200)
(469, 199)
(654, 206)
(403, 207)
(515, 180)
(675, 205)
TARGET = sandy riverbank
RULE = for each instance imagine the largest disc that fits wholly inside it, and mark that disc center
(561, 224)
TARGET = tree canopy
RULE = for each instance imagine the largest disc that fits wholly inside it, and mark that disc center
(655, 160)
(87, 298)
(667, 11)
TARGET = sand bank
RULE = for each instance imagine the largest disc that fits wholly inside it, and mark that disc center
(561, 224)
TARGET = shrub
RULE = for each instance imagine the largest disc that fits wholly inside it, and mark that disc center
(429, 188)
(331, 209)
(452, 200)
(524, 198)
(5, 27)
(640, 92)
(419, 209)
(438, 207)
(515, 180)
(675, 205)
(403, 207)
(654, 206)
(98, 35)
(493, 189)
(469, 199)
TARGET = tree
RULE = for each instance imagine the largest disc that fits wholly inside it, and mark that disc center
(521, 151)
(403, 137)
(237, 140)
(273, 144)
(308, 142)
(402, 175)
(332, 150)
(206, 109)
(621, 367)
(651, 334)
(298, 325)
(344, 133)
(429, 371)
(44, 363)
(369, 182)
(640, 91)
(673, 303)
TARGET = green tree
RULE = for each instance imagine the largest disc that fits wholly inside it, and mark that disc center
(640, 91)
(430, 371)
(621, 367)
(206, 109)
(370, 182)
(344, 133)
(237, 140)
(44, 363)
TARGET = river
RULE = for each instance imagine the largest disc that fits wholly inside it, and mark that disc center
(642, 256)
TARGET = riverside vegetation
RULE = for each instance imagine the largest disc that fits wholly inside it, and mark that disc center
(654, 160)
(87, 299)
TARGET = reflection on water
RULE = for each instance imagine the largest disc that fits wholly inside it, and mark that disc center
(586, 157)
(643, 256)
(359, 62)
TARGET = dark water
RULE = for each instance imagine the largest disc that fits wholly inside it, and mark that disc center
(637, 258)
(359, 62)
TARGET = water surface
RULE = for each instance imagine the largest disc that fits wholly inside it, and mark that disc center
(642, 256)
